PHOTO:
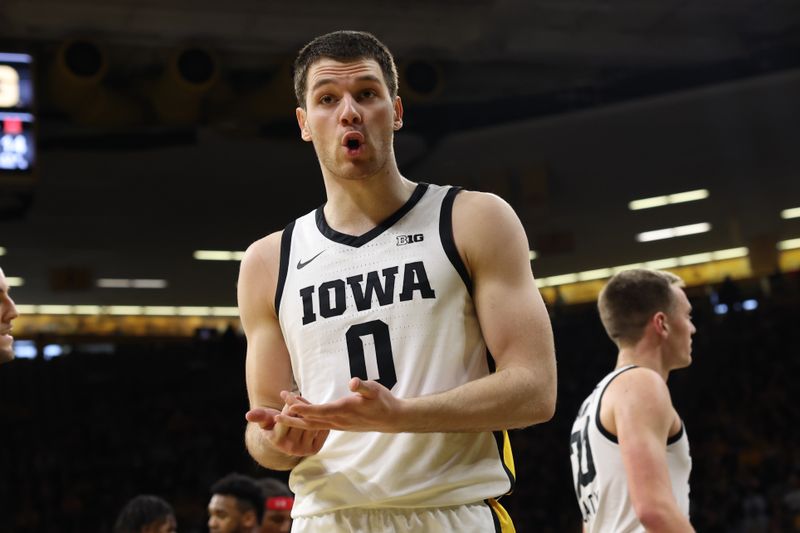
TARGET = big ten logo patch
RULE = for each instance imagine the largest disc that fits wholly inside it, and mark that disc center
(9, 86)
(409, 239)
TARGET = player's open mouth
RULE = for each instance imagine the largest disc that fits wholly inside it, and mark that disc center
(353, 141)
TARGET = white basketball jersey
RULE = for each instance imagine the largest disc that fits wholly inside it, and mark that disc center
(601, 485)
(392, 305)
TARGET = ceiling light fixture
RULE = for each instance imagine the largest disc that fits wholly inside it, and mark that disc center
(790, 244)
(669, 233)
(119, 283)
(677, 198)
(129, 310)
(657, 264)
(217, 255)
(794, 212)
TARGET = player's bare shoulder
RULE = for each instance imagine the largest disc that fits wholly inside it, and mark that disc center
(639, 383)
(265, 250)
(477, 208)
(638, 392)
(258, 272)
(485, 225)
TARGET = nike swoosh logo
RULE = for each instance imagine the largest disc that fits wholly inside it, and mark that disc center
(302, 264)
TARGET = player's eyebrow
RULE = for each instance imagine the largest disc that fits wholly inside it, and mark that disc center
(324, 81)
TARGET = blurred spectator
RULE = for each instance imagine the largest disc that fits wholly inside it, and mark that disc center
(236, 505)
(278, 502)
(146, 514)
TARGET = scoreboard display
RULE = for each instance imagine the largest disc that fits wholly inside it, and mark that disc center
(17, 138)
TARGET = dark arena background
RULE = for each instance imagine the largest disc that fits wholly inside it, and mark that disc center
(144, 145)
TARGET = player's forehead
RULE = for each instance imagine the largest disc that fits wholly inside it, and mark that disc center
(681, 299)
(3, 282)
(327, 70)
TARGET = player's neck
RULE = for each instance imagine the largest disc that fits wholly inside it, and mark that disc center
(355, 206)
(644, 356)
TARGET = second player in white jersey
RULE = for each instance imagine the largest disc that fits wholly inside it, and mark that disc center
(628, 447)
(599, 476)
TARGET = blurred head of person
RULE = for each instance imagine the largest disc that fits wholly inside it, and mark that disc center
(236, 505)
(278, 502)
(146, 514)
(8, 312)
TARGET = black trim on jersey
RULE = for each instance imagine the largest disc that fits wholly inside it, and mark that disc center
(676, 437)
(283, 269)
(446, 235)
(356, 242)
(496, 519)
(499, 436)
(603, 431)
(500, 440)
(613, 438)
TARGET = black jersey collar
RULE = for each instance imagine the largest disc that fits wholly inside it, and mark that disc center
(352, 240)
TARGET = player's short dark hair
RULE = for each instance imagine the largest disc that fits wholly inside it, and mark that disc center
(343, 46)
(244, 489)
(141, 511)
(631, 298)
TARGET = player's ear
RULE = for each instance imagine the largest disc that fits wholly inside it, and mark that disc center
(660, 323)
(398, 114)
(305, 133)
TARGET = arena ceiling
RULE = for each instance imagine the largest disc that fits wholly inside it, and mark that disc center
(490, 56)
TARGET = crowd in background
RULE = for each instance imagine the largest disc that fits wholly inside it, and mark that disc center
(85, 432)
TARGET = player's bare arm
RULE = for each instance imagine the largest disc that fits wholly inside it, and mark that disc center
(515, 325)
(268, 366)
(638, 408)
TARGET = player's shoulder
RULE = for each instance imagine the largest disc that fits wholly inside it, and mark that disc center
(483, 211)
(485, 202)
(263, 253)
(639, 386)
(267, 244)
(639, 377)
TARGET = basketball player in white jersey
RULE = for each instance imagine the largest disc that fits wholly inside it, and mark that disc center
(8, 312)
(374, 323)
(629, 449)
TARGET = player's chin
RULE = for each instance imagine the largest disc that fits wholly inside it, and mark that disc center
(6, 354)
